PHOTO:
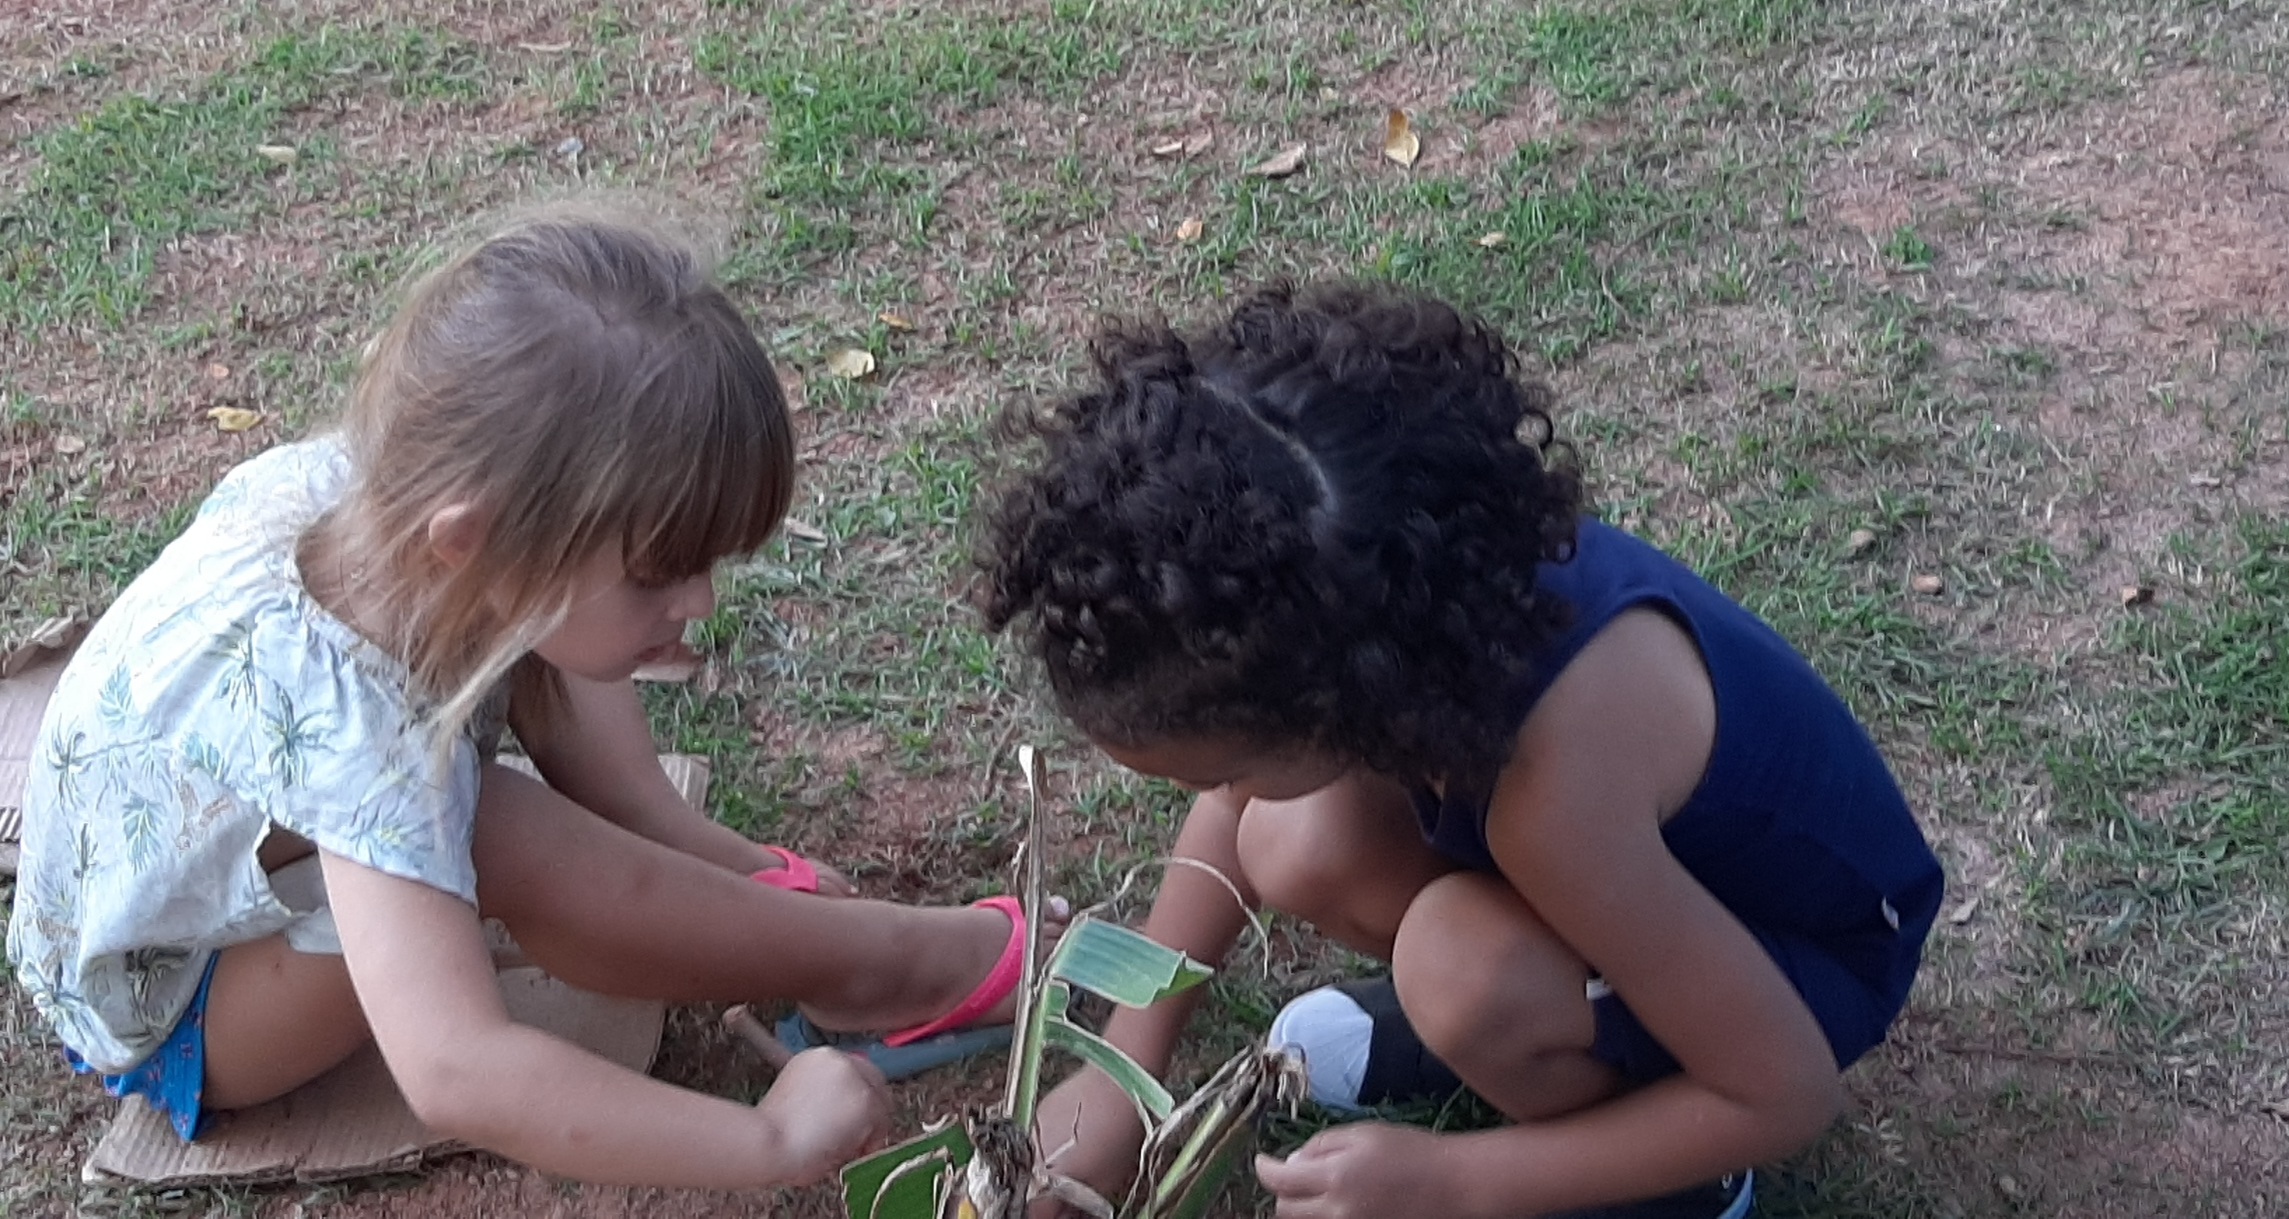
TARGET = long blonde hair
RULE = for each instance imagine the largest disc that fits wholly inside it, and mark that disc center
(578, 379)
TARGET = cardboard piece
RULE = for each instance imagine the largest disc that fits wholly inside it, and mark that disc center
(352, 1121)
(23, 696)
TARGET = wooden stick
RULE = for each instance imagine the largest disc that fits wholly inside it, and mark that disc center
(743, 1022)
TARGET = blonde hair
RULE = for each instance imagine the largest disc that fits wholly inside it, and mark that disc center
(578, 379)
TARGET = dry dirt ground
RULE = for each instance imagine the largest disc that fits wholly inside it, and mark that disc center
(2097, 311)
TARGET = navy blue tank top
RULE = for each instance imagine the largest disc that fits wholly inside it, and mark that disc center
(1797, 826)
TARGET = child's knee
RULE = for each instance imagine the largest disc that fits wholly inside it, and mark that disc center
(1290, 870)
(1474, 964)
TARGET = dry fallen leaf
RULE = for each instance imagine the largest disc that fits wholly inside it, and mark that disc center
(234, 418)
(1280, 165)
(1191, 229)
(803, 530)
(546, 48)
(1929, 586)
(2136, 594)
(851, 363)
(276, 154)
(1962, 911)
(1199, 142)
(1860, 542)
(1492, 240)
(1400, 143)
(218, 372)
(70, 445)
(896, 321)
(1168, 148)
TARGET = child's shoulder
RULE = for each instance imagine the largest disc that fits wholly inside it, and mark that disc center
(288, 485)
(219, 624)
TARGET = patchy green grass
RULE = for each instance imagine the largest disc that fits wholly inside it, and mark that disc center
(1841, 307)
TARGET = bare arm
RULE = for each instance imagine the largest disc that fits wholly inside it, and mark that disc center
(599, 752)
(423, 977)
(1622, 736)
(1195, 914)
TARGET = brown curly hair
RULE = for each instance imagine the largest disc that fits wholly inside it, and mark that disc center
(1317, 524)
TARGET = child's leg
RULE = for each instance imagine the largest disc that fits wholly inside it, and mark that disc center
(1499, 997)
(1485, 984)
(276, 1019)
(606, 909)
(611, 911)
(1347, 859)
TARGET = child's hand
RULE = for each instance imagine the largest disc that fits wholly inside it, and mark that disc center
(827, 1109)
(1089, 1130)
(1363, 1171)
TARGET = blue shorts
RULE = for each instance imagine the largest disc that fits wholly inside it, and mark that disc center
(1852, 1014)
(173, 1079)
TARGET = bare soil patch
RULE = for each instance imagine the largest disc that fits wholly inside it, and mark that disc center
(2131, 250)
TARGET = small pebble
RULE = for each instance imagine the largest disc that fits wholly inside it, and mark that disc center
(571, 147)
(1860, 542)
(1929, 586)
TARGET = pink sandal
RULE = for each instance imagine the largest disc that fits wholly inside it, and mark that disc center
(794, 873)
(1007, 972)
(949, 1038)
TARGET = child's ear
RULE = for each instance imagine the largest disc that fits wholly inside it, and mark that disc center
(456, 534)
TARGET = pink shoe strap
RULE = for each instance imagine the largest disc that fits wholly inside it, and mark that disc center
(1007, 973)
(794, 873)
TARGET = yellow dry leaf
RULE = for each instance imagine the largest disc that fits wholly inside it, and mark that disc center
(276, 154)
(896, 321)
(1281, 164)
(234, 418)
(1492, 240)
(851, 363)
(1190, 230)
(1400, 143)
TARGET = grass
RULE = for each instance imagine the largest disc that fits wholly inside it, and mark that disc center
(1796, 269)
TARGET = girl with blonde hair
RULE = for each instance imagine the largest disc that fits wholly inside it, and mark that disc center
(264, 820)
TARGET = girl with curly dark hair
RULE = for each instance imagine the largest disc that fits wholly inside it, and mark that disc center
(1643, 881)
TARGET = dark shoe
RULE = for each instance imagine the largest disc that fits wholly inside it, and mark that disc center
(1732, 1198)
(1358, 1048)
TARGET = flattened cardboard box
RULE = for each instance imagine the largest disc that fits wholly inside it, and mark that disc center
(351, 1122)
(23, 695)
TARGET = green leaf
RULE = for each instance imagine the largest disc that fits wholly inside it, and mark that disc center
(883, 1186)
(1186, 1160)
(1142, 1088)
(1205, 1165)
(1034, 988)
(1123, 965)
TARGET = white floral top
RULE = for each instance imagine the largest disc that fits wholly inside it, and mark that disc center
(215, 700)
